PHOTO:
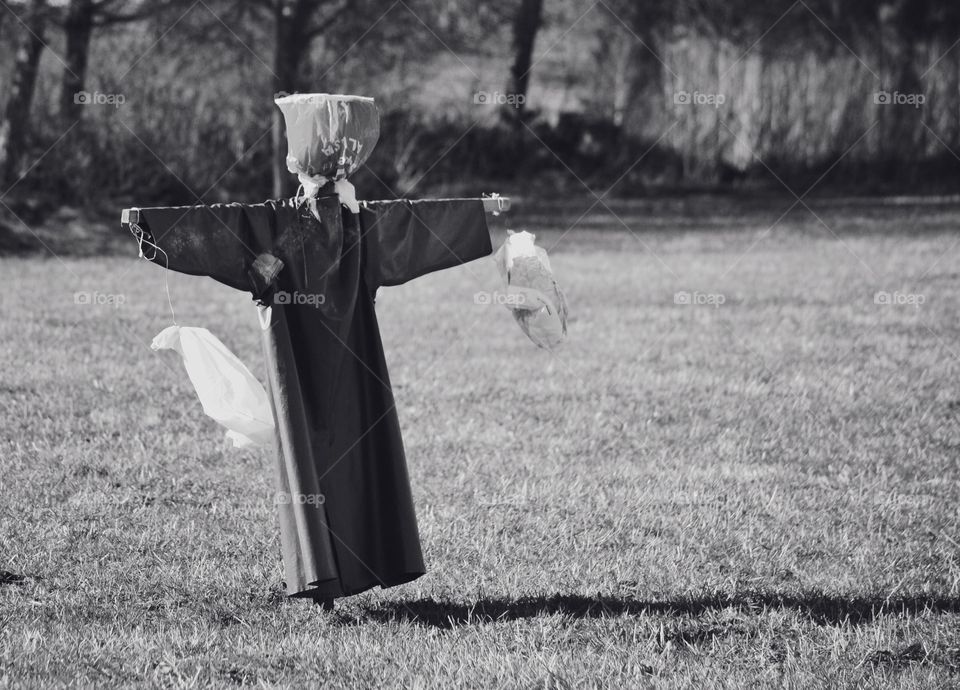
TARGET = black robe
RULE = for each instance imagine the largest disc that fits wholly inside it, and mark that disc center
(347, 521)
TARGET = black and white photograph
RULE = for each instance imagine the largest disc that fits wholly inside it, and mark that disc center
(499, 344)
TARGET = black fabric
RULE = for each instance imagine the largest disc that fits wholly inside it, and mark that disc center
(348, 520)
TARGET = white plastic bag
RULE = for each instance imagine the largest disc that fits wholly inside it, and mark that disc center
(537, 302)
(229, 393)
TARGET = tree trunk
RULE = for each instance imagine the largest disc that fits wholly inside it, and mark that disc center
(526, 24)
(900, 129)
(78, 27)
(650, 100)
(288, 52)
(15, 126)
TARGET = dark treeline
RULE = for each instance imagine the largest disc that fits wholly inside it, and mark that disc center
(170, 101)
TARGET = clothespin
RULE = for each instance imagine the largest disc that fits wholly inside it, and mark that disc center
(500, 207)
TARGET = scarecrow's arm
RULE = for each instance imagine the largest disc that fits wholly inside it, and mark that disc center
(406, 239)
(218, 240)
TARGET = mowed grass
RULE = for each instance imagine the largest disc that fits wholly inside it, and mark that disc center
(760, 492)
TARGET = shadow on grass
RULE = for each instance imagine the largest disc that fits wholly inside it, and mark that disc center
(821, 608)
(8, 578)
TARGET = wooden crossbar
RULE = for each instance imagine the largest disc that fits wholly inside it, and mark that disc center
(491, 204)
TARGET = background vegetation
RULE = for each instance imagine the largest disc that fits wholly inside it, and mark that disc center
(603, 84)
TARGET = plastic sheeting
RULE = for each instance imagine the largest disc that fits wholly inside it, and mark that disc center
(536, 301)
(228, 392)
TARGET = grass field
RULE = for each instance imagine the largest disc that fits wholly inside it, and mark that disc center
(756, 488)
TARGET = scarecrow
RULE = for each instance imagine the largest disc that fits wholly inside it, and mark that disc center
(313, 264)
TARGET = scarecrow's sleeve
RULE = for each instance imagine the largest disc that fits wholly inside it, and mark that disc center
(219, 240)
(407, 239)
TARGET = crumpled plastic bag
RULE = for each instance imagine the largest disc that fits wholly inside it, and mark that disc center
(229, 393)
(534, 297)
(329, 137)
(328, 134)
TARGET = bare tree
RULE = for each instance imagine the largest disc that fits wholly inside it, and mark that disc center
(296, 24)
(526, 25)
(293, 29)
(79, 21)
(15, 125)
(78, 27)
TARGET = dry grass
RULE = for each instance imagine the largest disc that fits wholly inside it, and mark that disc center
(763, 492)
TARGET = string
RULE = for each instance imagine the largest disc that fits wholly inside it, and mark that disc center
(141, 238)
(264, 314)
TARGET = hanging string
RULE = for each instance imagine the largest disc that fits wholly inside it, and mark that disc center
(141, 237)
(265, 315)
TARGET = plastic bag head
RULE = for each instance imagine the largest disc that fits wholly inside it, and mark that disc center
(329, 135)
